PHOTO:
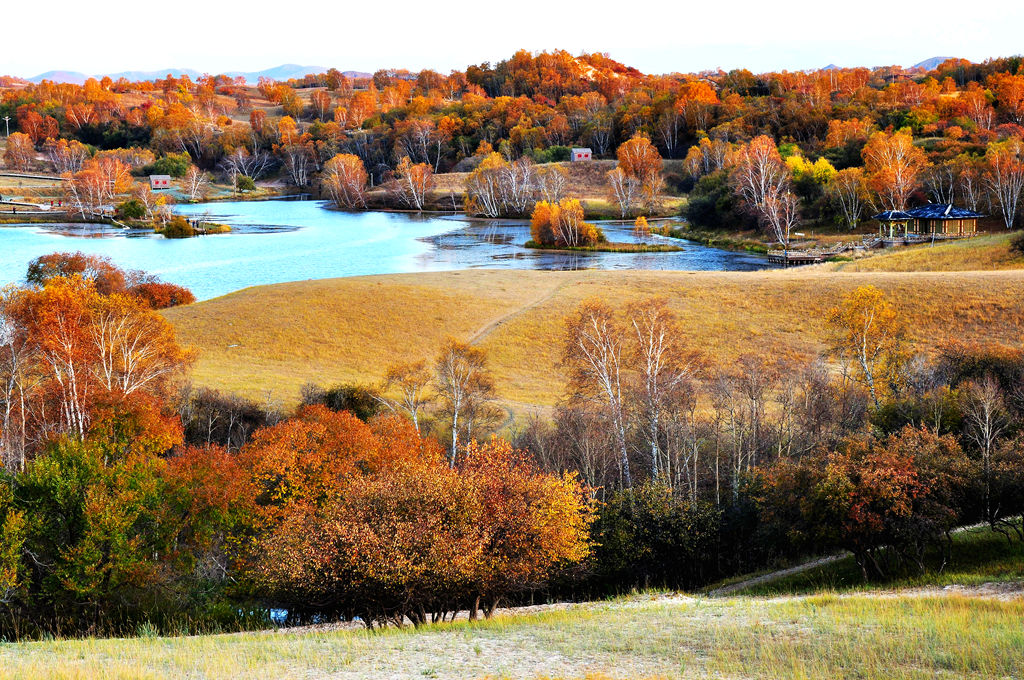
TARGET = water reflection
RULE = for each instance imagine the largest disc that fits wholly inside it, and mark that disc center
(499, 244)
(276, 241)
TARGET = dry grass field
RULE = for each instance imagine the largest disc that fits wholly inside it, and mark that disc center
(982, 253)
(908, 635)
(272, 339)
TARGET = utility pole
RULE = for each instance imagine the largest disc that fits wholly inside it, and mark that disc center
(7, 123)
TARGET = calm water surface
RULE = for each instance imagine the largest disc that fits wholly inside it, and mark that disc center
(277, 241)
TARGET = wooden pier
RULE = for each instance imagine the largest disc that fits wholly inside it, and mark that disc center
(792, 258)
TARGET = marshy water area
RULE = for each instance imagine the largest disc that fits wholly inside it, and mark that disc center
(293, 240)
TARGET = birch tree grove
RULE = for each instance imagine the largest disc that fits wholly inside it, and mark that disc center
(196, 183)
(1004, 175)
(412, 382)
(15, 385)
(940, 181)
(848, 189)
(970, 180)
(344, 180)
(707, 156)
(636, 181)
(411, 183)
(782, 213)
(69, 354)
(593, 352)
(463, 383)
(663, 369)
(625, 191)
(19, 152)
(759, 173)
(987, 421)
(134, 351)
(762, 181)
(867, 330)
(497, 187)
(561, 224)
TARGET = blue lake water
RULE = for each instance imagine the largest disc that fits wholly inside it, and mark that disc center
(288, 240)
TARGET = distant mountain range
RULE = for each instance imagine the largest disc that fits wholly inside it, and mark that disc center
(282, 72)
(930, 64)
(927, 64)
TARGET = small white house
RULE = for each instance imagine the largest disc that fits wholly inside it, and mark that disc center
(159, 182)
(580, 154)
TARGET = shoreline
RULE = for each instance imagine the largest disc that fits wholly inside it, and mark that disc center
(610, 247)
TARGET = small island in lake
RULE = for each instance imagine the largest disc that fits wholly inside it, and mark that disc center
(560, 226)
(609, 247)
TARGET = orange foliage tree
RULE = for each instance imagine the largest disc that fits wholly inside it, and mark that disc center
(20, 152)
(344, 180)
(85, 358)
(639, 163)
(885, 500)
(412, 182)
(561, 224)
(369, 521)
(892, 164)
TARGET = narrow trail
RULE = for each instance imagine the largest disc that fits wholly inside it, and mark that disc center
(482, 333)
(775, 575)
(800, 568)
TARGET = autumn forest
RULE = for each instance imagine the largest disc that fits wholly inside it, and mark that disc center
(136, 497)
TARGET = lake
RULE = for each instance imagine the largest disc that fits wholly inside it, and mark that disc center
(293, 240)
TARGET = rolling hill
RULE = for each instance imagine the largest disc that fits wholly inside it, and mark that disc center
(270, 340)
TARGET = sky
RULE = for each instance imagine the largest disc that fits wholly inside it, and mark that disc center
(654, 36)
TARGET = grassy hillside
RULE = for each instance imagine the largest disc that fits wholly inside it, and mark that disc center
(978, 254)
(272, 339)
(917, 635)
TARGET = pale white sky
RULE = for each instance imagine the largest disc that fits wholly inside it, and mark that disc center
(656, 37)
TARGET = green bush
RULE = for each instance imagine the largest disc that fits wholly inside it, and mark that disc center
(173, 164)
(245, 183)
(178, 227)
(132, 209)
(713, 204)
(647, 537)
(362, 401)
(552, 154)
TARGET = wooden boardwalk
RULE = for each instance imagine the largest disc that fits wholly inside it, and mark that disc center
(796, 257)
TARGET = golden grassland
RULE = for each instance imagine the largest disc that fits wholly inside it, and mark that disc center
(272, 339)
(895, 635)
(986, 252)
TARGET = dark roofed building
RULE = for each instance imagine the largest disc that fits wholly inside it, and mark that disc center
(893, 216)
(944, 218)
(939, 219)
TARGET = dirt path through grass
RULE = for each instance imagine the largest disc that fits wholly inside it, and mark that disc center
(488, 328)
(775, 575)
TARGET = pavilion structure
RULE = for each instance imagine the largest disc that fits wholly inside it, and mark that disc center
(935, 220)
(893, 224)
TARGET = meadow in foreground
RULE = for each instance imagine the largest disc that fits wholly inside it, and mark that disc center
(663, 636)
